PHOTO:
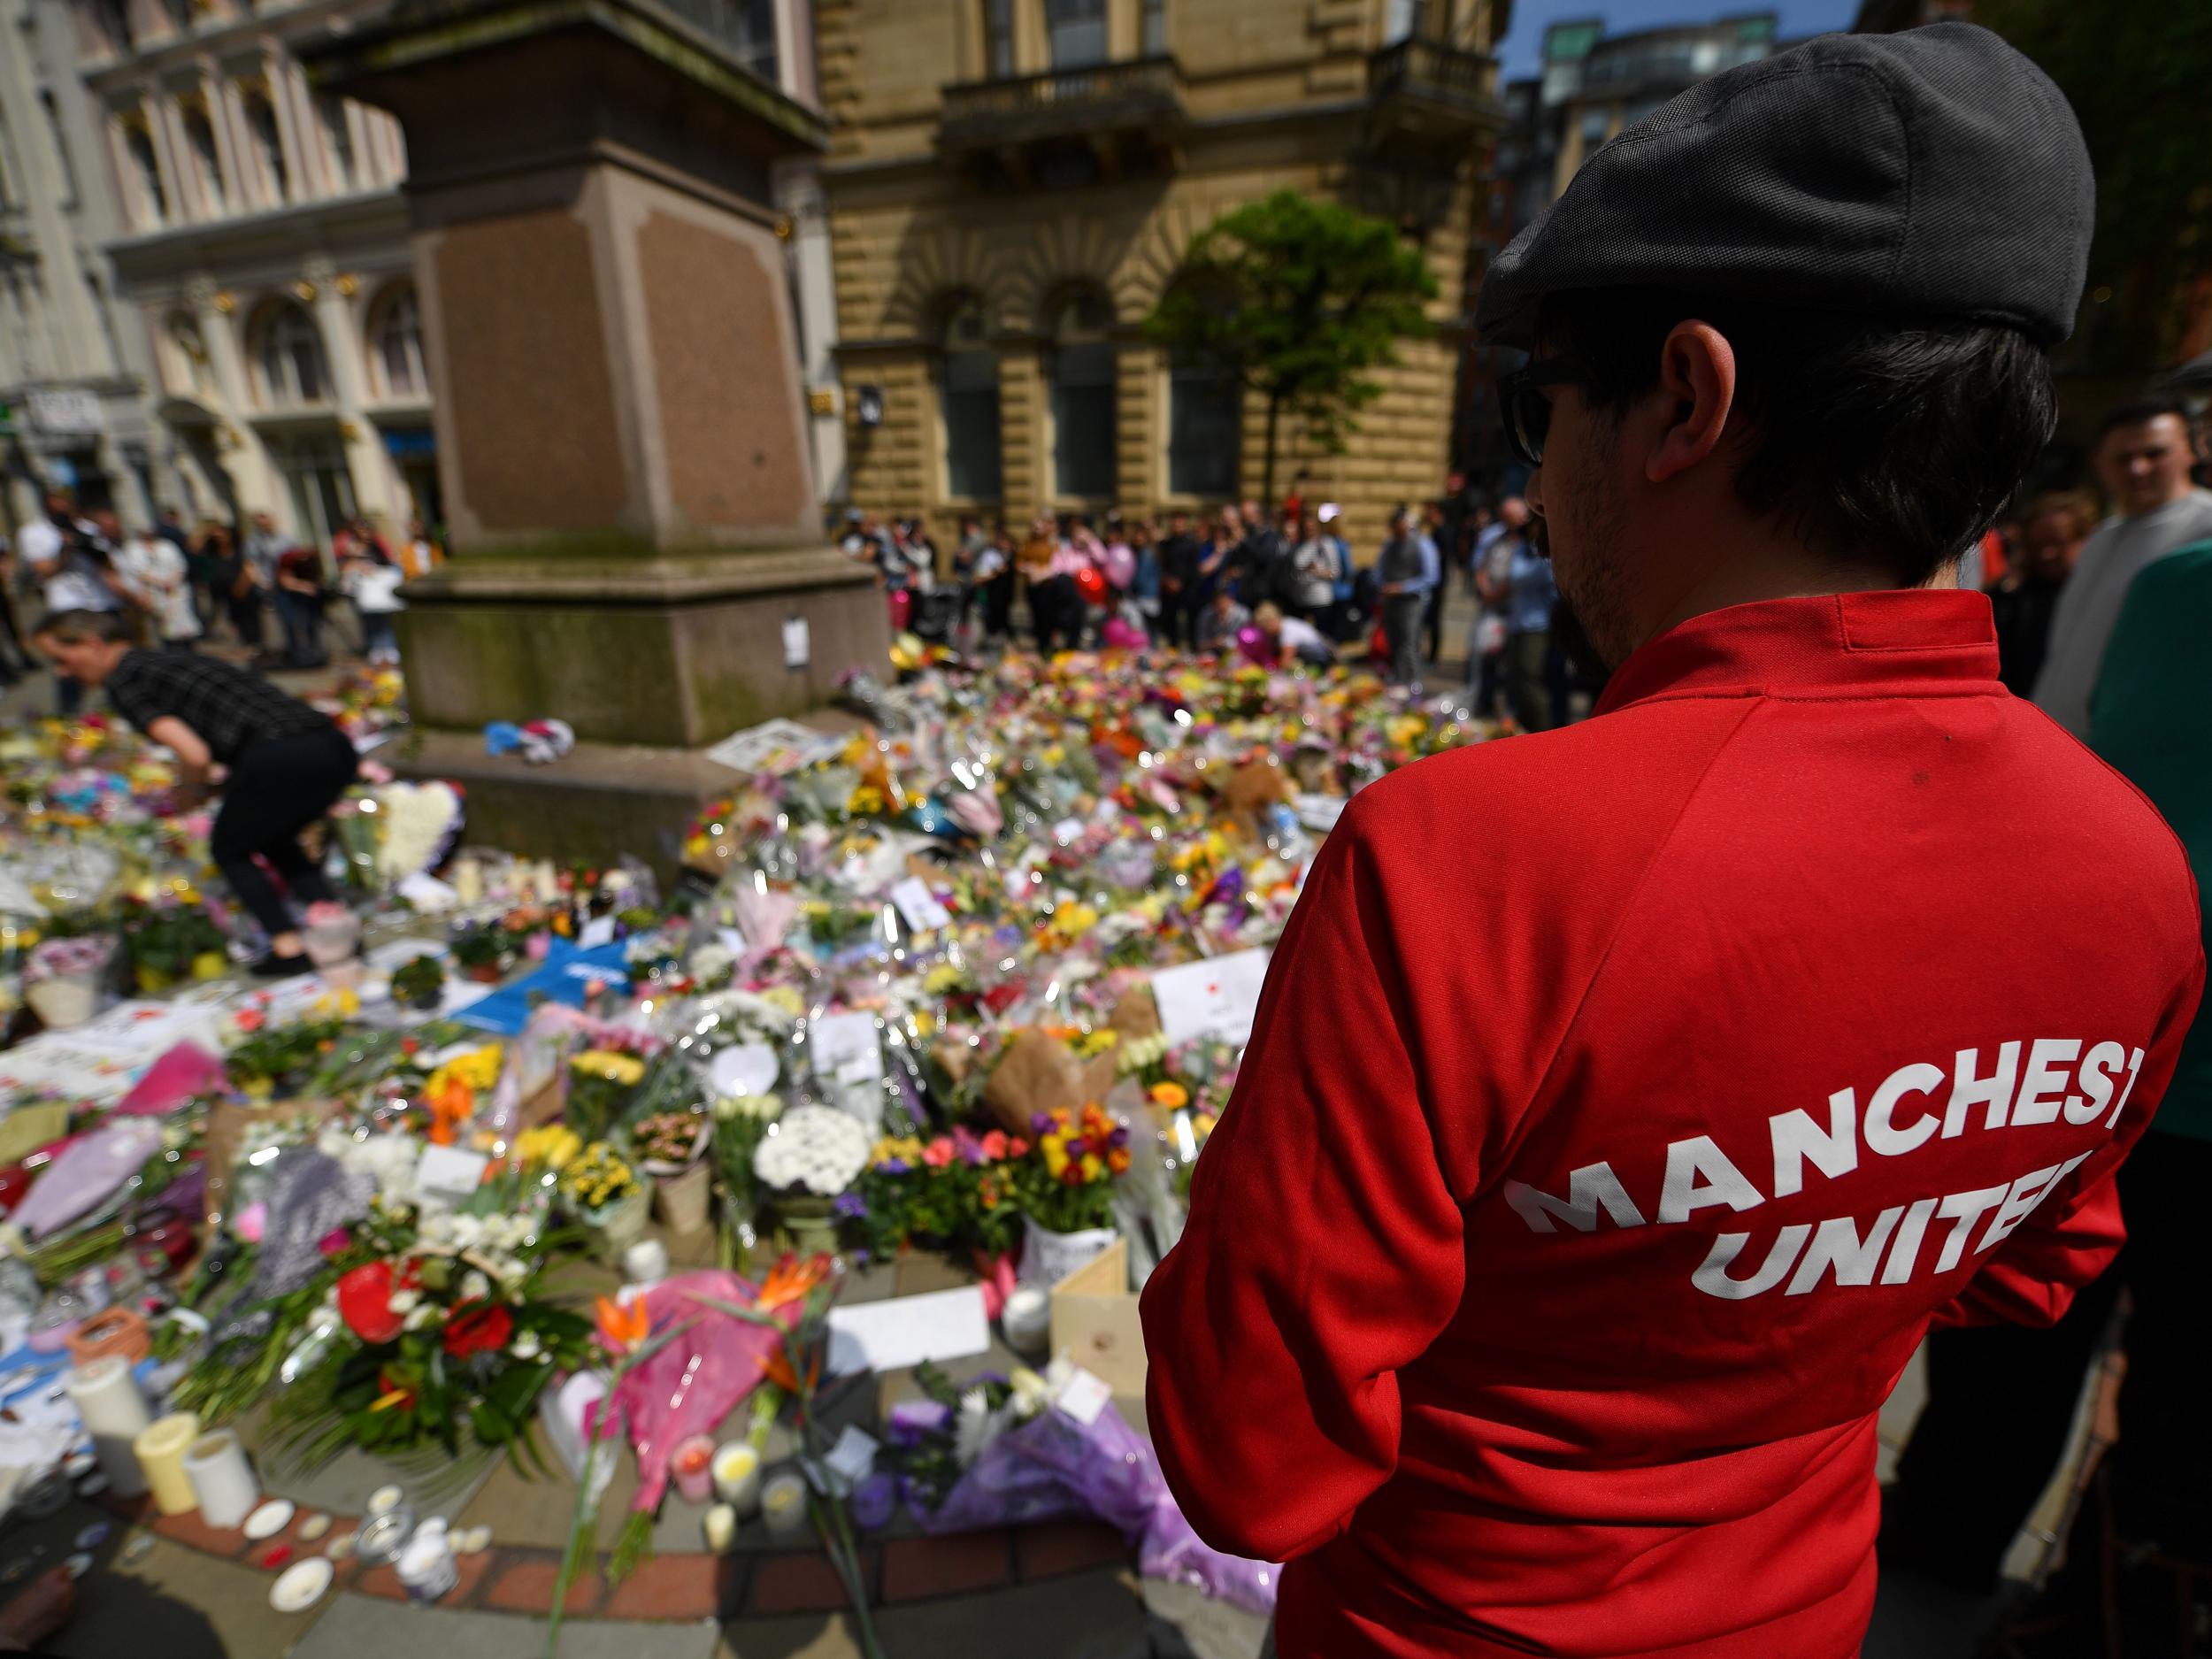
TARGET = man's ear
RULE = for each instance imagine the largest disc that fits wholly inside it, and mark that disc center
(1697, 376)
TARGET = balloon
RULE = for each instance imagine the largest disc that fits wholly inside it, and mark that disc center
(1256, 645)
(1091, 585)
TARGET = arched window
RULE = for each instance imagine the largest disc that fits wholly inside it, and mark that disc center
(1082, 371)
(188, 355)
(288, 357)
(268, 143)
(395, 343)
(207, 162)
(1205, 410)
(153, 200)
(967, 402)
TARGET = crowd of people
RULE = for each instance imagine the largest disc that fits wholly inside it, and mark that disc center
(1274, 584)
(177, 588)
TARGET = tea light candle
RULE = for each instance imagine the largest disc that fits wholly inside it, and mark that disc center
(691, 1464)
(1027, 1318)
(114, 1412)
(221, 1478)
(160, 1450)
(783, 1506)
(737, 1476)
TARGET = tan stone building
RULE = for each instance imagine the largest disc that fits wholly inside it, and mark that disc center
(1013, 185)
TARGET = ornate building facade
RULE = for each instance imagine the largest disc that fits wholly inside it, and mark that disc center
(1013, 183)
(262, 287)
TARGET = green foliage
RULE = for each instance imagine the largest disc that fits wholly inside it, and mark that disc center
(419, 983)
(1299, 301)
(2135, 72)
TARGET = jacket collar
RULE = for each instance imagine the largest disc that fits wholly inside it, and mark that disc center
(1899, 643)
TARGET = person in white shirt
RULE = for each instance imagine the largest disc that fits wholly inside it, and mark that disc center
(60, 555)
(371, 580)
(155, 574)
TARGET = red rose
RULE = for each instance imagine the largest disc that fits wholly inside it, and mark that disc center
(477, 1327)
(364, 1301)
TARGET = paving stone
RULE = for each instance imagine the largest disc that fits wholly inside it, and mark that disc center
(358, 1627)
(1052, 1547)
(953, 1565)
(1096, 1616)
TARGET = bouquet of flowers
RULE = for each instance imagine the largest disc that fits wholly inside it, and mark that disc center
(265, 1060)
(601, 1083)
(596, 1179)
(813, 1149)
(166, 943)
(1067, 1186)
(668, 1141)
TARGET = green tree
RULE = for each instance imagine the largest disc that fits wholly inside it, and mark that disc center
(2135, 72)
(1297, 301)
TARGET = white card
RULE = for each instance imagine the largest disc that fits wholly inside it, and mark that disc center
(1084, 1396)
(597, 931)
(919, 906)
(1048, 1257)
(854, 1457)
(1320, 811)
(448, 1173)
(1215, 998)
(845, 1048)
(904, 1331)
(749, 1068)
(797, 647)
(428, 892)
(1067, 829)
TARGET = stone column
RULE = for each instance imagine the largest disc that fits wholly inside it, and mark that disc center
(238, 449)
(622, 436)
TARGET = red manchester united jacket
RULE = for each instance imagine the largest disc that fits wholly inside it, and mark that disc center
(1624, 1102)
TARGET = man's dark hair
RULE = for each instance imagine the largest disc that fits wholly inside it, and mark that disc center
(1865, 435)
(74, 627)
(2139, 411)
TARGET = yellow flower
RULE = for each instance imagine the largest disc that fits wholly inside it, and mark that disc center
(1169, 1096)
(1092, 1043)
(625, 1069)
(550, 1145)
(479, 1068)
(864, 800)
(785, 998)
(1055, 1150)
(940, 978)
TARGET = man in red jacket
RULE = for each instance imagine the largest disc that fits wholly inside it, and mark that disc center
(1626, 1102)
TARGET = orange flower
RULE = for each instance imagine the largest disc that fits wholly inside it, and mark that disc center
(450, 1104)
(791, 1280)
(776, 1366)
(624, 1326)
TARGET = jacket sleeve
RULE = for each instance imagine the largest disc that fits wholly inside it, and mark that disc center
(1324, 1250)
(2073, 1234)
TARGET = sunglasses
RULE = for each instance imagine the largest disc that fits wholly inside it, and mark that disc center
(1525, 402)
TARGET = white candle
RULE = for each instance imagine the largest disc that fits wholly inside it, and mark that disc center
(221, 1478)
(783, 1506)
(645, 1262)
(721, 1528)
(114, 1412)
(1027, 1318)
(737, 1476)
(160, 1450)
(468, 880)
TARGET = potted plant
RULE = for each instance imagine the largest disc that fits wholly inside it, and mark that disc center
(166, 943)
(483, 952)
(670, 1146)
(811, 1155)
(419, 984)
(604, 1193)
(63, 980)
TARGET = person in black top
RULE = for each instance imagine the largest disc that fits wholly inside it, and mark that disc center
(1179, 554)
(2025, 599)
(286, 763)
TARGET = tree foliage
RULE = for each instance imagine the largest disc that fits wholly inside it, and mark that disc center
(1298, 300)
(2136, 72)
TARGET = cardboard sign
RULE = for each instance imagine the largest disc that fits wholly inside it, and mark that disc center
(1215, 998)
(449, 1174)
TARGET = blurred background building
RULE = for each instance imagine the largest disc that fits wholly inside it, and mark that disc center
(206, 276)
(1013, 185)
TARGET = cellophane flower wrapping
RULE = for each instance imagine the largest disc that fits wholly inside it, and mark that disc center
(694, 1382)
(1054, 1466)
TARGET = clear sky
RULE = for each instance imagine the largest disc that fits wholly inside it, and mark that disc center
(1518, 52)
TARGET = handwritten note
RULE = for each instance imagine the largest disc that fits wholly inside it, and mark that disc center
(1215, 998)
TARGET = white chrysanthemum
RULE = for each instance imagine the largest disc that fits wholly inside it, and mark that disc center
(405, 1300)
(475, 1286)
(813, 1147)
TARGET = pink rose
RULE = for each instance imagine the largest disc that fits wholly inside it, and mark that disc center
(938, 1153)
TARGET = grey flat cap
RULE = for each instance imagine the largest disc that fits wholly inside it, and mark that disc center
(1934, 173)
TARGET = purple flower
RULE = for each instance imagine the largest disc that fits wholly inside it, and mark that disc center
(1040, 1123)
(852, 1206)
(894, 1166)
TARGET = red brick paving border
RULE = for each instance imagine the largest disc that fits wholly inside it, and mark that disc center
(914, 1568)
(688, 1587)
